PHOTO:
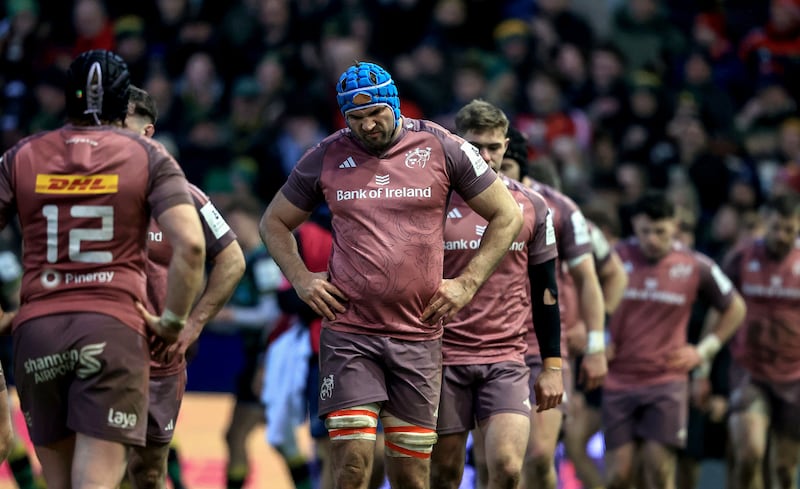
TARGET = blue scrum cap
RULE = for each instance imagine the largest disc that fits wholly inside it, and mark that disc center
(367, 85)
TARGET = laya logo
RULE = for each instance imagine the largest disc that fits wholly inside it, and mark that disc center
(76, 184)
(120, 419)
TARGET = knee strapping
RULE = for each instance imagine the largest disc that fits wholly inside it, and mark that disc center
(406, 440)
(357, 423)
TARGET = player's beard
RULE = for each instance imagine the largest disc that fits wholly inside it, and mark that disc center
(378, 140)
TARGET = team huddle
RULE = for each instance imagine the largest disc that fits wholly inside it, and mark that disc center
(460, 295)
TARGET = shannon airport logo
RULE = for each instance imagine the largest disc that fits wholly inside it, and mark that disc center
(76, 184)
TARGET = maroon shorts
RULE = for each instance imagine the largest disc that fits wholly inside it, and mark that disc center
(82, 373)
(166, 394)
(655, 412)
(782, 398)
(534, 363)
(476, 392)
(357, 369)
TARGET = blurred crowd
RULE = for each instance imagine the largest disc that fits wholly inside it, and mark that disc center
(698, 97)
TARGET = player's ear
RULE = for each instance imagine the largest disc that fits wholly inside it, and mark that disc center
(149, 130)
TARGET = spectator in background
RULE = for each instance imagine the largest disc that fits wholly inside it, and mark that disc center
(162, 89)
(244, 126)
(544, 119)
(646, 36)
(604, 95)
(514, 45)
(643, 131)
(709, 33)
(253, 313)
(774, 49)
(50, 101)
(469, 81)
(694, 162)
(557, 24)
(131, 45)
(92, 25)
(22, 42)
(180, 29)
(236, 29)
(424, 74)
(769, 106)
(301, 130)
(274, 84)
(706, 98)
(200, 91)
(572, 69)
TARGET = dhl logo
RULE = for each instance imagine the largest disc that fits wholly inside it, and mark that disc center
(76, 184)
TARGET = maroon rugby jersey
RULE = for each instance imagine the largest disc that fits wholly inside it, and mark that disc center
(84, 196)
(159, 253)
(573, 241)
(491, 328)
(652, 317)
(768, 342)
(388, 220)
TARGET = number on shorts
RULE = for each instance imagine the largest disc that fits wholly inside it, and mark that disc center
(76, 235)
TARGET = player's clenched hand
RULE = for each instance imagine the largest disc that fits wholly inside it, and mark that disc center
(321, 295)
(549, 389)
(169, 335)
(447, 301)
(684, 358)
(593, 370)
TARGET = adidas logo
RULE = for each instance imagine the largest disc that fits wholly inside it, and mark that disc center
(479, 230)
(170, 426)
(454, 214)
(348, 163)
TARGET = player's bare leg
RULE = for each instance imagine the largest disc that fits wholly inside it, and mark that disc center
(539, 469)
(244, 419)
(324, 456)
(378, 466)
(479, 454)
(620, 469)
(687, 471)
(408, 452)
(147, 466)
(658, 465)
(748, 436)
(581, 424)
(784, 458)
(505, 440)
(97, 464)
(351, 463)
(447, 460)
(56, 460)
